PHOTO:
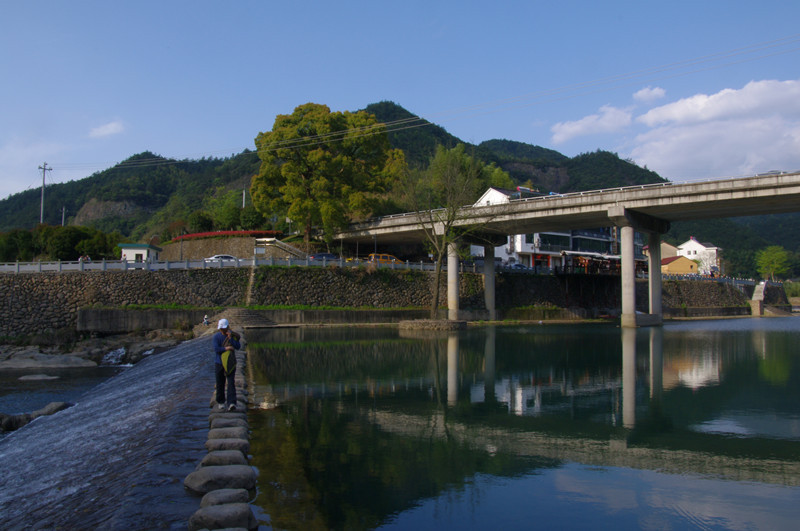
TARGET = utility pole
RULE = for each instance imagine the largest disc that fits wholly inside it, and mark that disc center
(243, 196)
(44, 169)
(63, 212)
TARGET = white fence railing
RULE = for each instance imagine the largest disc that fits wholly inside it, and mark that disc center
(123, 265)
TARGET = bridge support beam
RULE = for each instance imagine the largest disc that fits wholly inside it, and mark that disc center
(488, 281)
(452, 282)
(630, 221)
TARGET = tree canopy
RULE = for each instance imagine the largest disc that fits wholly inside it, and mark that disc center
(323, 168)
(774, 261)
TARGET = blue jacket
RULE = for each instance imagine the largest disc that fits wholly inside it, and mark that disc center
(218, 340)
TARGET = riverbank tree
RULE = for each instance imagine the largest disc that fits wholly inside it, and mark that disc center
(322, 168)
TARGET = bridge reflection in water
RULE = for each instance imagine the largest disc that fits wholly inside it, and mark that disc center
(370, 424)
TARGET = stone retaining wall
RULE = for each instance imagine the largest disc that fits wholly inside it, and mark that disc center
(39, 302)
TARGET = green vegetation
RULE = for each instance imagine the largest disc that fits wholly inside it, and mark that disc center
(148, 197)
(58, 243)
(773, 261)
(323, 168)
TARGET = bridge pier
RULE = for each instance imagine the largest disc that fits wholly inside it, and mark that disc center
(629, 221)
(488, 281)
(452, 282)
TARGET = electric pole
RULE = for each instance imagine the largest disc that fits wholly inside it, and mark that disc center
(44, 169)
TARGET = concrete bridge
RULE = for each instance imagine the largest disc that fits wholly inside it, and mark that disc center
(647, 209)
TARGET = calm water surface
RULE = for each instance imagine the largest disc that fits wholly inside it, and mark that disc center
(693, 425)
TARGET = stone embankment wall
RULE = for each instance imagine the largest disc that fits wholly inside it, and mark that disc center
(39, 302)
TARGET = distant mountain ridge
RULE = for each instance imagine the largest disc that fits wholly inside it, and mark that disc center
(144, 194)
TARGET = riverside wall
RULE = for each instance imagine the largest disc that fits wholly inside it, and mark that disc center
(35, 303)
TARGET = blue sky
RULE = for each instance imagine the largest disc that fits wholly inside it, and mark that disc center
(691, 89)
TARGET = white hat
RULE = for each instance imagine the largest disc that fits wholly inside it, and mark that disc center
(223, 323)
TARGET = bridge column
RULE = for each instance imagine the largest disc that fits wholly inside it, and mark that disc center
(628, 221)
(488, 281)
(654, 274)
(628, 273)
(452, 281)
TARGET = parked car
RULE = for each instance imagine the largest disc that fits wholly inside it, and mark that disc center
(323, 256)
(219, 258)
(383, 258)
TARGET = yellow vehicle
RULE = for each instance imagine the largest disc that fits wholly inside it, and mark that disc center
(383, 258)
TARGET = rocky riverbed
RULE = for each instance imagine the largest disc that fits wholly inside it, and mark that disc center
(92, 351)
(41, 362)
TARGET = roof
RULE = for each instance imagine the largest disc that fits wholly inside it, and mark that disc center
(670, 259)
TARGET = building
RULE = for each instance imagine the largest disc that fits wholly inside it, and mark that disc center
(678, 265)
(667, 250)
(139, 252)
(550, 250)
(707, 256)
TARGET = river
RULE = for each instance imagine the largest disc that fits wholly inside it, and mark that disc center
(689, 425)
(118, 457)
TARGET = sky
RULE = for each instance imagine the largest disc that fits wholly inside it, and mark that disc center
(693, 90)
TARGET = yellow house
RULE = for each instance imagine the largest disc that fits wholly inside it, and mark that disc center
(678, 265)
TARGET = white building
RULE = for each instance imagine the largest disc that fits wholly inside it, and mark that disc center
(548, 250)
(139, 252)
(706, 255)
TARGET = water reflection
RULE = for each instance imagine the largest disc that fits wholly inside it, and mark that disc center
(365, 429)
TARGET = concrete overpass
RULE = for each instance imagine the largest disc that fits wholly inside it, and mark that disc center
(647, 208)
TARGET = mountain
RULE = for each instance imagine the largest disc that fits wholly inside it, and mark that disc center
(137, 197)
(146, 193)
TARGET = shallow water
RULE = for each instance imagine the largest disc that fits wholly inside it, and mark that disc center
(693, 425)
(69, 385)
(117, 459)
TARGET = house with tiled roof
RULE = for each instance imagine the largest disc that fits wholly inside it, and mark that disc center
(678, 265)
(707, 255)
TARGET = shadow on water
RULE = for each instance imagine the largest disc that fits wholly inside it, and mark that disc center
(117, 459)
(404, 429)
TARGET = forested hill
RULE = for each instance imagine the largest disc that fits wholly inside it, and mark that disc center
(138, 196)
(537, 167)
(148, 195)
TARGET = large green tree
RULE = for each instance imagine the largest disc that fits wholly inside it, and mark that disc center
(323, 168)
(774, 261)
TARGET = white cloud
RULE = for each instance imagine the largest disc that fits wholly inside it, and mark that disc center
(734, 132)
(649, 94)
(111, 128)
(717, 149)
(757, 98)
(608, 120)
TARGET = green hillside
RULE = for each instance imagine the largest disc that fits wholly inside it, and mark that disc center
(147, 194)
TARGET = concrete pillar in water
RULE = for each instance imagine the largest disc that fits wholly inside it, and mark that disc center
(654, 275)
(628, 272)
(488, 281)
(452, 281)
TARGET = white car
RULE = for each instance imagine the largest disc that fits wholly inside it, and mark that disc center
(220, 258)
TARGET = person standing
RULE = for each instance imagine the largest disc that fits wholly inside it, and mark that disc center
(225, 343)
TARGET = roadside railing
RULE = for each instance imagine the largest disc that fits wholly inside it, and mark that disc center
(124, 265)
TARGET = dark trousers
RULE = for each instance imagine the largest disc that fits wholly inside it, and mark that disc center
(222, 379)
